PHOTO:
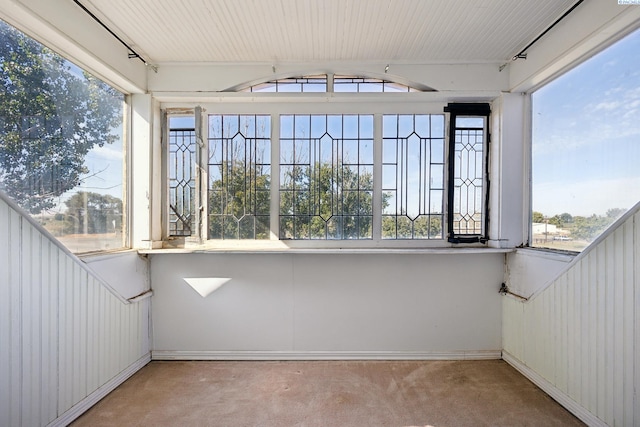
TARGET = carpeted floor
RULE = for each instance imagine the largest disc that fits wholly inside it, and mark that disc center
(328, 393)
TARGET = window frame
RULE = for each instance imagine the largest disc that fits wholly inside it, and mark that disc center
(469, 110)
(279, 104)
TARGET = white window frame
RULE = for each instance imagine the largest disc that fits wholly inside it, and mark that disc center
(277, 104)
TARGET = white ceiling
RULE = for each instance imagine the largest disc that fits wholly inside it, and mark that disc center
(408, 31)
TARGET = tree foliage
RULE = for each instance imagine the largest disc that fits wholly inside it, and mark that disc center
(50, 117)
(537, 217)
(239, 202)
(322, 201)
(404, 227)
(582, 227)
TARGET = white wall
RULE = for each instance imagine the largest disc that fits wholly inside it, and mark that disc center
(530, 270)
(126, 272)
(66, 339)
(577, 338)
(328, 305)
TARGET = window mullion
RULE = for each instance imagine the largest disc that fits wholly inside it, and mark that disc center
(377, 177)
(201, 176)
(275, 178)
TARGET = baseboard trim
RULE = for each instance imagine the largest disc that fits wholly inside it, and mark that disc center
(555, 393)
(325, 355)
(85, 404)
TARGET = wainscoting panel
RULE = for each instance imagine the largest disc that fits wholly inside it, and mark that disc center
(64, 334)
(580, 332)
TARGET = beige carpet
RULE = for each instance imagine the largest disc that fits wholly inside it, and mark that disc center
(341, 393)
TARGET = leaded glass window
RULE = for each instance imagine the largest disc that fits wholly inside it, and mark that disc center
(468, 141)
(366, 84)
(326, 176)
(468, 181)
(239, 171)
(292, 84)
(181, 171)
(413, 149)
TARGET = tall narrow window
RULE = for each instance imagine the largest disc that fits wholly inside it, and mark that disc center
(239, 176)
(326, 176)
(412, 176)
(468, 139)
(182, 177)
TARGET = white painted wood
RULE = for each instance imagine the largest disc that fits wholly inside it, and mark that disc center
(127, 272)
(141, 155)
(312, 302)
(281, 30)
(578, 334)
(63, 333)
(529, 270)
(548, 387)
(106, 388)
(507, 154)
(325, 355)
(216, 77)
(591, 27)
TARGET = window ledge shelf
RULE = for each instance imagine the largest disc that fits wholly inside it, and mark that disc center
(328, 251)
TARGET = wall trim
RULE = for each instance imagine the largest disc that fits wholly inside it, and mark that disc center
(326, 355)
(554, 392)
(85, 404)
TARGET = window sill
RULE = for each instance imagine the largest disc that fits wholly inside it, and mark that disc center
(330, 251)
(553, 254)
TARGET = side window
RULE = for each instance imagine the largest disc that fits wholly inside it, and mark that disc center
(182, 176)
(586, 148)
(62, 147)
(468, 172)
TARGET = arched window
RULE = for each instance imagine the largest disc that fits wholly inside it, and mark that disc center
(331, 83)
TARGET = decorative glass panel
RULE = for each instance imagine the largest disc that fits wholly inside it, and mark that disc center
(181, 173)
(366, 84)
(326, 176)
(412, 176)
(239, 176)
(468, 179)
(292, 84)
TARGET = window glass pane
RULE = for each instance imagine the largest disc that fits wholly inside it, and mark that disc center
(293, 84)
(325, 193)
(239, 176)
(181, 175)
(468, 180)
(586, 148)
(412, 169)
(61, 144)
(365, 84)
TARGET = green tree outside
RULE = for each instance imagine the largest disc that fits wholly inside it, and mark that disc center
(326, 202)
(51, 116)
(92, 213)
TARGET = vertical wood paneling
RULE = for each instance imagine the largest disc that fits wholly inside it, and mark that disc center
(5, 318)
(636, 340)
(586, 325)
(63, 334)
(628, 258)
(15, 324)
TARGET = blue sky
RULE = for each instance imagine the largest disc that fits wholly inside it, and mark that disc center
(586, 135)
